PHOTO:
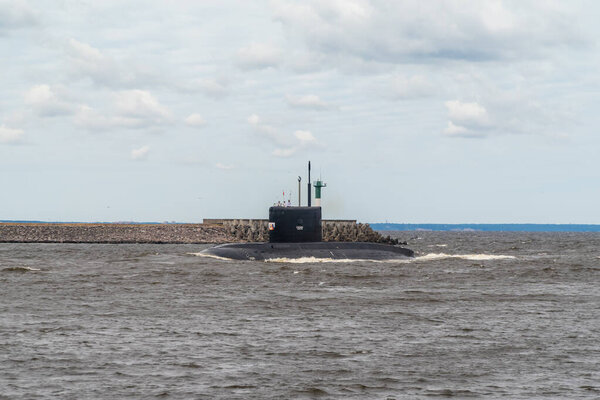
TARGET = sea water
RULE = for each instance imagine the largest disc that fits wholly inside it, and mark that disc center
(494, 315)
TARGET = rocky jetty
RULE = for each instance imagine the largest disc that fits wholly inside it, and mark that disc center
(228, 232)
(344, 232)
(113, 233)
(257, 231)
(248, 230)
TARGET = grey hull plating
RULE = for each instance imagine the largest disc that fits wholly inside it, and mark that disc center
(328, 250)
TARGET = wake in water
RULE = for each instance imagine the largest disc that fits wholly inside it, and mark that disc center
(306, 260)
(470, 257)
(200, 254)
(426, 257)
(20, 269)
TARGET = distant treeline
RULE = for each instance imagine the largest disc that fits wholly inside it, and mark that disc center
(488, 227)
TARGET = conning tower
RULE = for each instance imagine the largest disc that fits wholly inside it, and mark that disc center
(297, 224)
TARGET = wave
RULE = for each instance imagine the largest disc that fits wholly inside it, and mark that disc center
(426, 257)
(470, 257)
(20, 269)
(200, 254)
(306, 260)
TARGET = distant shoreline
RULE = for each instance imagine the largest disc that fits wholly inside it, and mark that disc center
(488, 227)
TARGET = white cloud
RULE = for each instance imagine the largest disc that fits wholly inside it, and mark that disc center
(414, 30)
(8, 135)
(467, 113)
(460, 131)
(466, 119)
(44, 101)
(224, 166)
(132, 109)
(305, 137)
(140, 154)
(310, 101)
(302, 140)
(506, 112)
(104, 70)
(286, 145)
(258, 56)
(195, 120)
(254, 119)
(139, 108)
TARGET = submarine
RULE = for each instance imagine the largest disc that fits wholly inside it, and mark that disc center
(295, 232)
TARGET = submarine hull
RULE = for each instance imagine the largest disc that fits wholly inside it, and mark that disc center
(319, 250)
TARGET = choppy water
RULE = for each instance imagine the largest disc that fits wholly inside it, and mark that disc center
(509, 315)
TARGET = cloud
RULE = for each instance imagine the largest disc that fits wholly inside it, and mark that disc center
(90, 62)
(507, 112)
(467, 113)
(310, 101)
(285, 145)
(140, 154)
(303, 140)
(285, 152)
(254, 120)
(411, 87)
(460, 131)
(305, 137)
(45, 103)
(10, 136)
(214, 87)
(267, 131)
(195, 120)
(225, 167)
(131, 109)
(15, 14)
(258, 56)
(466, 119)
(139, 108)
(104, 70)
(411, 31)
(89, 118)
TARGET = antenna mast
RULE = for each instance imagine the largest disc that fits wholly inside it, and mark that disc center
(299, 198)
(309, 194)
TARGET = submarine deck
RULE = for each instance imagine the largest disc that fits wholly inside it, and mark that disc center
(320, 250)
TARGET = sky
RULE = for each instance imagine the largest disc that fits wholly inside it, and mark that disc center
(411, 111)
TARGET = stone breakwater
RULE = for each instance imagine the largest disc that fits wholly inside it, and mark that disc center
(228, 232)
(113, 233)
(333, 231)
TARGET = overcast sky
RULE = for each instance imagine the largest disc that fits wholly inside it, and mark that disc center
(412, 111)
